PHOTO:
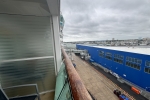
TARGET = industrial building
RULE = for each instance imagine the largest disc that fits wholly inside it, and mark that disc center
(130, 65)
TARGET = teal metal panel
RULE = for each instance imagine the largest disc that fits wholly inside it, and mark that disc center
(62, 90)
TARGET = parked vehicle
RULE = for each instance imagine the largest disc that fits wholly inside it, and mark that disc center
(120, 96)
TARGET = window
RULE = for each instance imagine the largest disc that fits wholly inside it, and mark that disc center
(133, 62)
(138, 67)
(101, 53)
(121, 57)
(133, 65)
(127, 58)
(118, 58)
(108, 56)
(132, 59)
(136, 60)
(139, 61)
(129, 64)
(147, 70)
(126, 63)
(147, 63)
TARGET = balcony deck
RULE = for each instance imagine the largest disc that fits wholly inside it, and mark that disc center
(96, 83)
(47, 96)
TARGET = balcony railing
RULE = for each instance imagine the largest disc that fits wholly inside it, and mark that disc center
(69, 79)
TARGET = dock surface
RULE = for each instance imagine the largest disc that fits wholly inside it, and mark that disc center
(99, 86)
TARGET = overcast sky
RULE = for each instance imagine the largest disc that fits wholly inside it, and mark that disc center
(87, 20)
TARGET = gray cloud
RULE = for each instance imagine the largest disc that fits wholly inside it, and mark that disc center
(105, 19)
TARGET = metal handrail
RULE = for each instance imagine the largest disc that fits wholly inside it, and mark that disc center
(25, 85)
(79, 92)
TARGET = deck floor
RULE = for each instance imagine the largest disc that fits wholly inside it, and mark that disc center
(47, 96)
(96, 83)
